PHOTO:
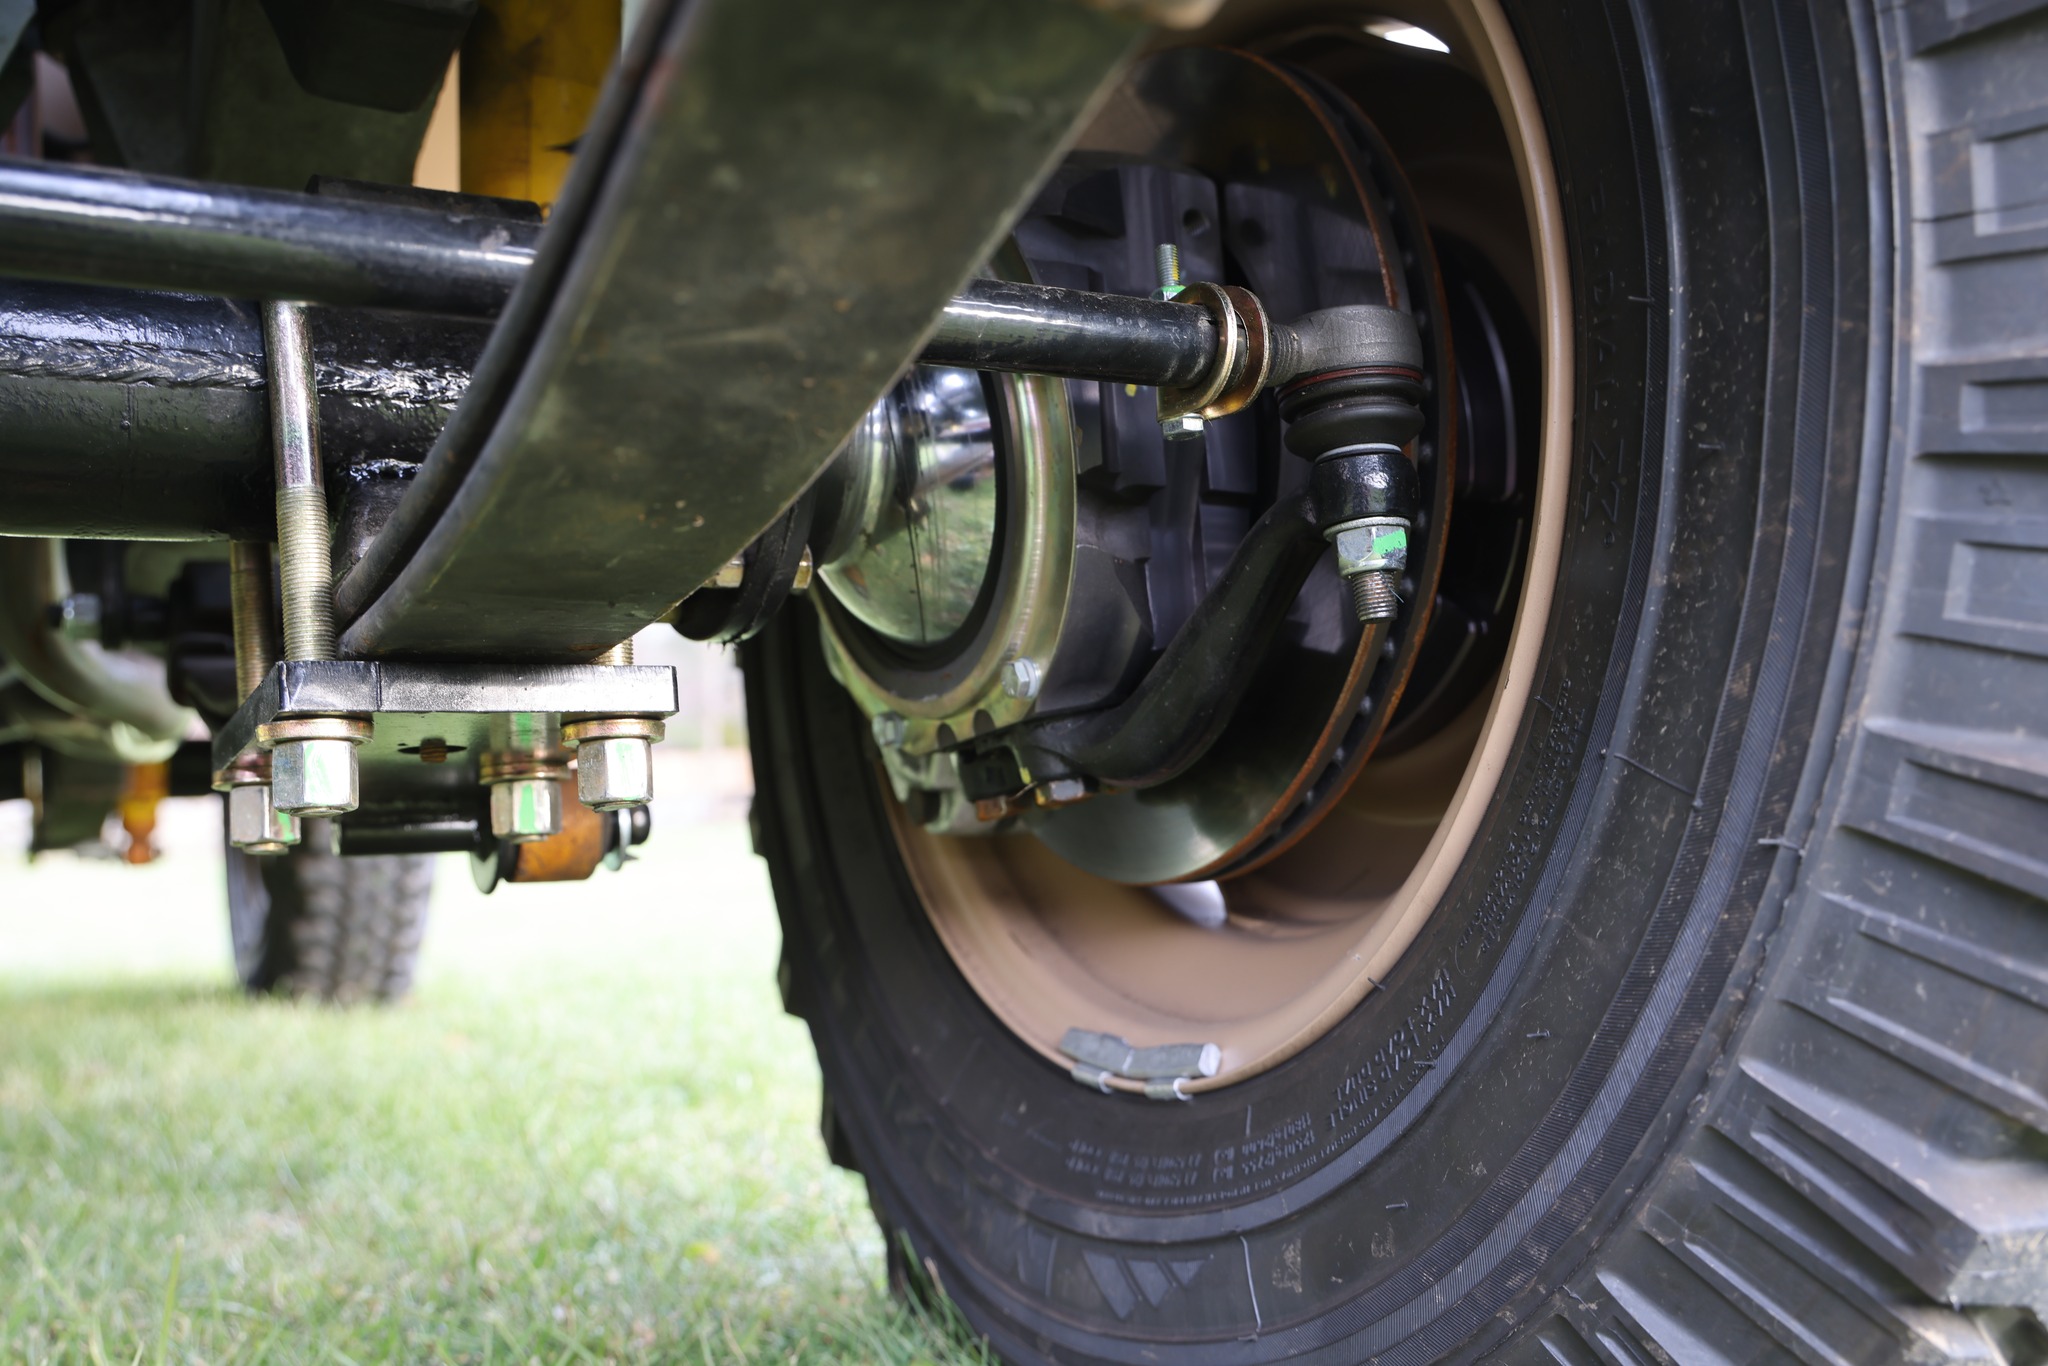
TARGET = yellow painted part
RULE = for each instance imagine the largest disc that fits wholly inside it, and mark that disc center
(143, 787)
(531, 72)
(440, 161)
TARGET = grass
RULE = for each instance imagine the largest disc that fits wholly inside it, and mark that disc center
(591, 1136)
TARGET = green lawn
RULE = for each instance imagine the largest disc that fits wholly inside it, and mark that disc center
(591, 1135)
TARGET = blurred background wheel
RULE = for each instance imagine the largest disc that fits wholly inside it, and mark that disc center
(315, 925)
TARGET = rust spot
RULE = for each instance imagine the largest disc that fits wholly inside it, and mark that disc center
(432, 750)
(570, 855)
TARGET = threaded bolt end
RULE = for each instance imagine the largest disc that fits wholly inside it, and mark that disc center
(620, 655)
(1167, 258)
(1373, 594)
(255, 626)
(305, 572)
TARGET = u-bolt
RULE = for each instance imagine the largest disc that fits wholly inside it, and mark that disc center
(312, 759)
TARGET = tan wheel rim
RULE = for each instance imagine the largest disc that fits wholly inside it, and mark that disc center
(1315, 929)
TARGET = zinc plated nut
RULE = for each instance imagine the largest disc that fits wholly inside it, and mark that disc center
(615, 773)
(526, 792)
(1022, 679)
(1372, 554)
(614, 760)
(526, 809)
(313, 763)
(1180, 427)
(315, 777)
(1370, 543)
(889, 729)
(255, 825)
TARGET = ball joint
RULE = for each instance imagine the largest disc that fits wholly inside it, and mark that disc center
(1353, 411)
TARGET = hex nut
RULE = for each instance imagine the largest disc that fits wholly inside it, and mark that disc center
(526, 809)
(615, 772)
(1371, 546)
(255, 825)
(1021, 679)
(1180, 427)
(889, 729)
(314, 777)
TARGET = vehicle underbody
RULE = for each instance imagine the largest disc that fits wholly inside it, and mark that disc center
(1389, 656)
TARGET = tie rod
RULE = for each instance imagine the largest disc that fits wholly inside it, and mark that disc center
(1209, 351)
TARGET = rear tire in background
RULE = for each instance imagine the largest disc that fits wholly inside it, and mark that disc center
(1726, 1042)
(315, 925)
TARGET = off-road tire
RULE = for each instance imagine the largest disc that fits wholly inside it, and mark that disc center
(315, 925)
(1728, 1044)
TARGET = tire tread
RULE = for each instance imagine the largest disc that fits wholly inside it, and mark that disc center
(1867, 1181)
(322, 927)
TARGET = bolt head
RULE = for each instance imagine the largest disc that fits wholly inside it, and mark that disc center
(526, 809)
(1021, 679)
(1366, 548)
(1181, 427)
(615, 772)
(314, 777)
(889, 730)
(255, 825)
(1062, 792)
